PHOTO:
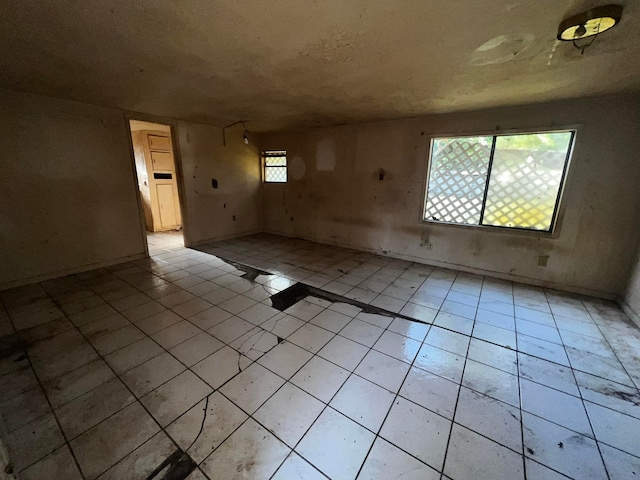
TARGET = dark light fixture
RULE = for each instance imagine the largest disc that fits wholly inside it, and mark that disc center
(589, 24)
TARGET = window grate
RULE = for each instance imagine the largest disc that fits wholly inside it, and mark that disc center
(510, 181)
(275, 166)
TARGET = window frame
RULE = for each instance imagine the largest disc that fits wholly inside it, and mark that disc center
(265, 166)
(560, 205)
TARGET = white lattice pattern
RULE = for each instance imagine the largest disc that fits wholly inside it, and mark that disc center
(457, 179)
(523, 188)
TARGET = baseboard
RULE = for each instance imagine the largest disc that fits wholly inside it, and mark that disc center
(462, 268)
(71, 271)
(223, 237)
(631, 313)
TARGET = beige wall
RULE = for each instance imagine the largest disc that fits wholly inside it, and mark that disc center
(68, 197)
(334, 195)
(631, 298)
(68, 189)
(236, 167)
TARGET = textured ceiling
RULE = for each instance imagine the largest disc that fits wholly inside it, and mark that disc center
(292, 63)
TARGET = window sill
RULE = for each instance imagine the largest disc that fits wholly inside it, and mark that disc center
(500, 230)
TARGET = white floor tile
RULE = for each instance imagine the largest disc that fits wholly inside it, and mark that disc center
(311, 338)
(330, 320)
(494, 419)
(382, 321)
(285, 359)
(454, 323)
(320, 378)
(34, 441)
(289, 413)
(362, 332)
(561, 449)
(407, 328)
(252, 387)
(89, 409)
(386, 462)
(493, 355)
(492, 382)
(221, 419)
(175, 334)
(397, 346)
(418, 431)
(555, 406)
(158, 321)
(296, 468)
(336, 445)
(151, 374)
(363, 402)
(536, 471)
(449, 341)
(547, 373)
(304, 310)
(343, 352)
(468, 454)
(105, 444)
(282, 325)
(169, 401)
(59, 464)
(383, 370)
(620, 465)
(440, 362)
(196, 348)
(615, 428)
(258, 314)
(430, 391)
(231, 329)
(141, 462)
(251, 452)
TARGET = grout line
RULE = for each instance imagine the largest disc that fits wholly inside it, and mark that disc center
(524, 458)
(575, 379)
(455, 408)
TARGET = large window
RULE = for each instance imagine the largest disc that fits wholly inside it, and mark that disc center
(512, 181)
(275, 166)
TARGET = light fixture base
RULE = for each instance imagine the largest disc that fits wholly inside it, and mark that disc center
(589, 23)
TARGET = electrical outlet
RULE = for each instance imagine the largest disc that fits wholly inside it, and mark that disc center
(542, 260)
(429, 246)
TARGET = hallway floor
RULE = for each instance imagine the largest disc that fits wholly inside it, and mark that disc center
(387, 369)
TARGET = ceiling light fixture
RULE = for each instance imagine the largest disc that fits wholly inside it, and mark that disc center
(589, 24)
(245, 132)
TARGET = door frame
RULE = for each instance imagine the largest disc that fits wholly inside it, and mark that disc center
(177, 160)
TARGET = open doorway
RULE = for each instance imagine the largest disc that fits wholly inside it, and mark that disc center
(156, 171)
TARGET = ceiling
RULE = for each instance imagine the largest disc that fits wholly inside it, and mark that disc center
(294, 64)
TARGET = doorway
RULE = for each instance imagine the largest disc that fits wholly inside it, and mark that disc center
(156, 172)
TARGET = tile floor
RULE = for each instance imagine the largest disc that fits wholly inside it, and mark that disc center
(497, 380)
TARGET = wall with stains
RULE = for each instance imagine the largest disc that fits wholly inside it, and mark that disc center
(68, 196)
(335, 195)
(68, 189)
(233, 207)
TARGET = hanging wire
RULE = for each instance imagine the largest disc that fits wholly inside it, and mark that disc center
(584, 46)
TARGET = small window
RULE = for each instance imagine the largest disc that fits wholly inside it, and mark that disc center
(512, 181)
(275, 166)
